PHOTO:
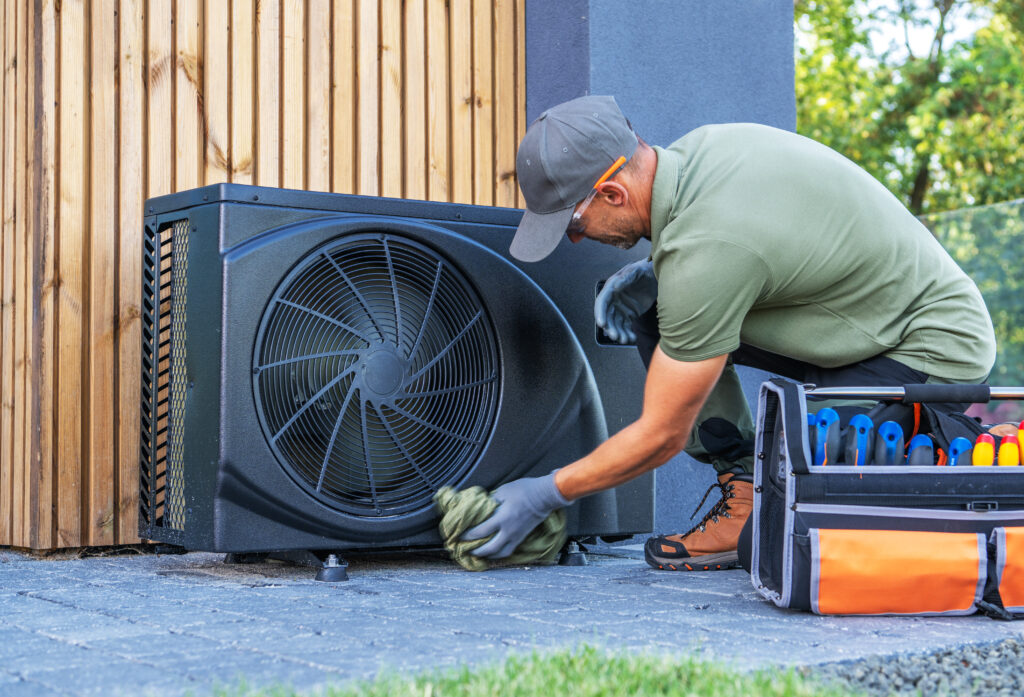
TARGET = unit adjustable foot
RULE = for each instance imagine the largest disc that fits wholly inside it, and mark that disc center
(333, 570)
(573, 555)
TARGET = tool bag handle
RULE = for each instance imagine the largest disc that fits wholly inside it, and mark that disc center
(969, 394)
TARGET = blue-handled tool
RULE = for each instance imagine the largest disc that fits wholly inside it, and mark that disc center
(889, 444)
(960, 452)
(921, 451)
(859, 434)
(826, 437)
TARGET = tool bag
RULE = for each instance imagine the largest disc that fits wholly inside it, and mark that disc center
(882, 540)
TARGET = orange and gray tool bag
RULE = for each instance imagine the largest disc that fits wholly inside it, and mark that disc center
(844, 539)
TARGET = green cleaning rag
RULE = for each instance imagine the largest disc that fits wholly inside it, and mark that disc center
(461, 510)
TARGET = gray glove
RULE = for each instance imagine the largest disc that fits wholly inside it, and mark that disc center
(627, 294)
(523, 504)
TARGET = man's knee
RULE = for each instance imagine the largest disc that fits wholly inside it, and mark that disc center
(723, 440)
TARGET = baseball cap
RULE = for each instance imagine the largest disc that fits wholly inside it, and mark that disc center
(564, 152)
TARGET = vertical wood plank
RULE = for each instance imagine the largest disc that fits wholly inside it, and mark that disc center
(391, 151)
(132, 66)
(293, 96)
(268, 92)
(10, 166)
(318, 105)
(44, 289)
(188, 91)
(461, 57)
(159, 71)
(483, 105)
(521, 123)
(437, 102)
(368, 97)
(343, 99)
(28, 463)
(73, 209)
(415, 98)
(103, 230)
(19, 536)
(504, 103)
(243, 74)
(213, 108)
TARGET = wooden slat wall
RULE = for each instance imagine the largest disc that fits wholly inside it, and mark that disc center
(108, 102)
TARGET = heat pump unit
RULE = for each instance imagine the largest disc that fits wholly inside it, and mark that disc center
(316, 366)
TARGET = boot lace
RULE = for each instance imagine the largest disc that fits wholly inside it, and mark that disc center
(721, 508)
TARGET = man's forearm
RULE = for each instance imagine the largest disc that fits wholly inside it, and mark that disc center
(673, 396)
(626, 455)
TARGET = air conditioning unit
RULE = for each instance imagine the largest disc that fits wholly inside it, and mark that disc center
(316, 366)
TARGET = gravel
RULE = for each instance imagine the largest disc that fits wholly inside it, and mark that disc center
(986, 670)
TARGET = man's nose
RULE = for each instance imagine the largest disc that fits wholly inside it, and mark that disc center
(575, 235)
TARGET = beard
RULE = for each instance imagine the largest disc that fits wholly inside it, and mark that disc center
(620, 236)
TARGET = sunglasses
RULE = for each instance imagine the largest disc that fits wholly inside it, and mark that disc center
(608, 174)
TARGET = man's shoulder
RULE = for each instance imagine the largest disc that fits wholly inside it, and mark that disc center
(728, 133)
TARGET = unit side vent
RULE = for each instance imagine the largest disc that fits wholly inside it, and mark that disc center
(161, 466)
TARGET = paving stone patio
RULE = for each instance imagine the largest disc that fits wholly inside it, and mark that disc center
(177, 624)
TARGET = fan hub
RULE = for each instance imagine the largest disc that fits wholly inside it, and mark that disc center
(382, 372)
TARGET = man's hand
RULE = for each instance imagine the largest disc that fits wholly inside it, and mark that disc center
(523, 505)
(627, 294)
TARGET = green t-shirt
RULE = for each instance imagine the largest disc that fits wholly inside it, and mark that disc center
(765, 237)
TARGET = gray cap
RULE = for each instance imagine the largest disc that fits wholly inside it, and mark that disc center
(563, 154)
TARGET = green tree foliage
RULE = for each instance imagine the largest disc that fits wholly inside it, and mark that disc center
(987, 242)
(942, 129)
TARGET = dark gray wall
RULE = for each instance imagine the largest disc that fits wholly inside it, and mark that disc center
(672, 65)
(557, 53)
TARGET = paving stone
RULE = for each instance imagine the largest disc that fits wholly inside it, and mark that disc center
(22, 688)
(110, 676)
(55, 655)
(156, 647)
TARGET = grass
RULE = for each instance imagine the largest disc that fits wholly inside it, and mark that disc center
(585, 672)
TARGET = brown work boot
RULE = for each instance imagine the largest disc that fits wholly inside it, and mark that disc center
(711, 543)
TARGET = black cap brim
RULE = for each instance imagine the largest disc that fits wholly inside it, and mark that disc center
(539, 233)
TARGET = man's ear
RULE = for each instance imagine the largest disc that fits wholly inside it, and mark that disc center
(613, 193)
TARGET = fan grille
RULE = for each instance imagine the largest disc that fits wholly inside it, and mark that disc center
(376, 374)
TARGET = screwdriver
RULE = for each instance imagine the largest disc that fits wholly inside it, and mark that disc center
(858, 440)
(1009, 452)
(984, 451)
(889, 444)
(920, 451)
(826, 440)
(959, 452)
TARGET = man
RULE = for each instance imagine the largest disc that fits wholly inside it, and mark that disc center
(767, 249)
